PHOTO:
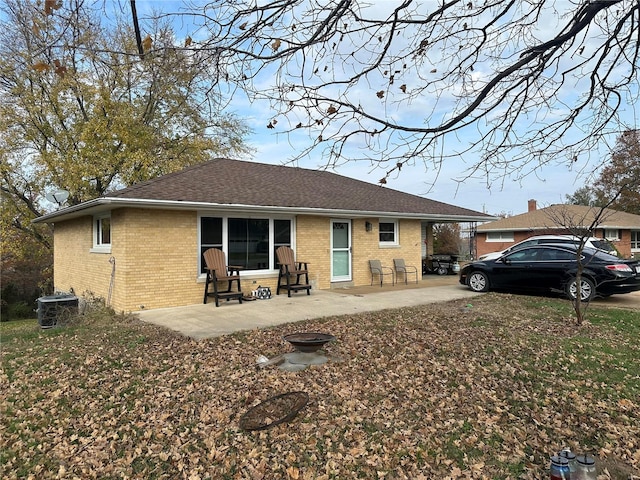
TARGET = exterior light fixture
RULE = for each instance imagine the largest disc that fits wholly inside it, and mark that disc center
(368, 226)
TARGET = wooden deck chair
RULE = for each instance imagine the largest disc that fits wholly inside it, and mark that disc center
(377, 269)
(406, 270)
(218, 271)
(292, 276)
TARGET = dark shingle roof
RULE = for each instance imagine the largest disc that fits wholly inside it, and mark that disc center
(234, 182)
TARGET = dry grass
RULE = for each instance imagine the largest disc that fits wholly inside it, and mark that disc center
(441, 391)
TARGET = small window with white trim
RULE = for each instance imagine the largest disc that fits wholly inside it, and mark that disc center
(612, 234)
(499, 236)
(388, 232)
(102, 233)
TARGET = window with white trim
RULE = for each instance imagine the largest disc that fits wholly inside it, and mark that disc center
(388, 232)
(612, 234)
(102, 233)
(635, 240)
(499, 236)
(249, 243)
(210, 236)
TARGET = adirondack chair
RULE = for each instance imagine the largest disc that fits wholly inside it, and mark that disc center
(218, 271)
(406, 270)
(292, 276)
(376, 268)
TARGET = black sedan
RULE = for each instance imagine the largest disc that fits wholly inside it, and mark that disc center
(552, 268)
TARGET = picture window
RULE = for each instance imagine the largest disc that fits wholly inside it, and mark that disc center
(249, 243)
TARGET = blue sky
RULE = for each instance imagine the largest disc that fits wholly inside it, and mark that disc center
(547, 186)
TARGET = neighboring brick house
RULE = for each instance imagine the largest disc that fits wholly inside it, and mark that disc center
(621, 228)
(141, 247)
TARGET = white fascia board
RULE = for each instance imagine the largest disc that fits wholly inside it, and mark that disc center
(546, 227)
(507, 229)
(619, 227)
(109, 203)
(85, 208)
(436, 218)
(522, 229)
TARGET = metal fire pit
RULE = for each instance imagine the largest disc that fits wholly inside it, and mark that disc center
(273, 411)
(308, 342)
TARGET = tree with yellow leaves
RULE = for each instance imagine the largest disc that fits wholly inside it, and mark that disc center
(81, 111)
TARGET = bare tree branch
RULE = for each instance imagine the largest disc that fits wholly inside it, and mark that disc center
(518, 85)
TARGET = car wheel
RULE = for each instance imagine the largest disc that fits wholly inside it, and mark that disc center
(478, 282)
(587, 289)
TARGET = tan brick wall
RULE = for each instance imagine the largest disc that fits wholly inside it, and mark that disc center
(314, 242)
(367, 247)
(155, 253)
(75, 267)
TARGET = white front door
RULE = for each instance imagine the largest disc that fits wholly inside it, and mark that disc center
(340, 250)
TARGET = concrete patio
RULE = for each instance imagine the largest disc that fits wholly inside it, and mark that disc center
(205, 321)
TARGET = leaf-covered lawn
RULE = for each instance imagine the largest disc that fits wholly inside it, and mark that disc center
(442, 391)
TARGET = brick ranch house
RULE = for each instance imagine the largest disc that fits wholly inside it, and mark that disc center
(621, 228)
(141, 247)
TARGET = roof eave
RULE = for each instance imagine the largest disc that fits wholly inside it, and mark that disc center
(547, 227)
(98, 205)
(74, 211)
(508, 229)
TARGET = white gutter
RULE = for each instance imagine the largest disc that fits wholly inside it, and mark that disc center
(109, 203)
(529, 229)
